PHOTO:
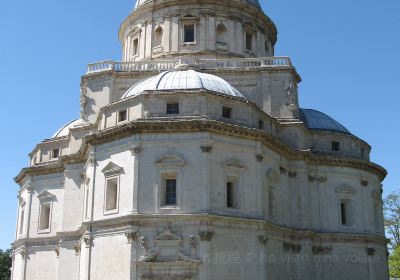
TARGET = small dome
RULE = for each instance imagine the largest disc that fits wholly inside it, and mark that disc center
(64, 130)
(252, 2)
(317, 120)
(184, 80)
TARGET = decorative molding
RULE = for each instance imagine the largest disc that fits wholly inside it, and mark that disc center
(112, 169)
(206, 235)
(77, 248)
(282, 169)
(320, 250)
(263, 239)
(315, 178)
(293, 247)
(364, 183)
(292, 174)
(206, 149)
(135, 150)
(132, 236)
(192, 241)
(259, 157)
(150, 126)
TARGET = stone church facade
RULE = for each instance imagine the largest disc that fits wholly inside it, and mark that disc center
(193, 160)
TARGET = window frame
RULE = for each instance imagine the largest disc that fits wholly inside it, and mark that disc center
(169, 174)
(126, 111)
(348, 212)
(236, 192)
(21, 219)
(52, 157)
(172, 103)
(116, 209)
(336, 146)
(184, 41)
(50, 208)
(230, 108)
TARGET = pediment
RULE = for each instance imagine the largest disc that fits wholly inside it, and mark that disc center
(272, 175)
(234, 164)
(168, 236)
(376, 194)
(46, 195)
(346, 189)
(112, 169)
(170, 160)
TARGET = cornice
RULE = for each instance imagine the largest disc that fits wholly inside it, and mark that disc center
(202, 220)
(243, 9)
(197, 125)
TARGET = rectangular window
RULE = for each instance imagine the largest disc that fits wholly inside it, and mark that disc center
(44, 219)
(122, 115)
(260, 124)
(271, 202)
(173, 108)
(189, 33)
(135, 46)
(111, 194)
(230, 195)
(170, 192)
(335, 146)
(21, 220)
(345, 212)
(55, 153)
(226, 112)
(249, 41)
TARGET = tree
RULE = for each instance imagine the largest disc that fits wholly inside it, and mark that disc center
(5, 264)
(392, 219)
(394, 263)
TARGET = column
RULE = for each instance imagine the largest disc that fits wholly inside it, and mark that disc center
(211, 33)
(206, 149)
(167, 34)
(135, 150)
(175, 34)
(202, 31)
(239, 37)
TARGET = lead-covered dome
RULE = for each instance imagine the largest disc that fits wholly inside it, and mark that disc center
(64, 130)
(252, 2)
(317, 120)
(184, 80)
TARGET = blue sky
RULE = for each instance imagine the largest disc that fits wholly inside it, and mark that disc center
(347, 52)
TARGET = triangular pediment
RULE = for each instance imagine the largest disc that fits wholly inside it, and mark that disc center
(170, 159)
(112, 169)
(346, 189)
(272, 175)
(168, 236)
(234, 164)
(46, 195)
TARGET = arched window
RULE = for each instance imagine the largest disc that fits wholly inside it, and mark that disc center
(158, 36)
(221, 33)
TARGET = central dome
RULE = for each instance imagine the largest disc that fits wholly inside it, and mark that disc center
(184, 80)
(252, 2)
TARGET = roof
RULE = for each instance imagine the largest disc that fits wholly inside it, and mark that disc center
(252, 2)
(64, 130)
(184, 80)
(317, 120)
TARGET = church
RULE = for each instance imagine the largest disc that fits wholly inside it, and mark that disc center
(192, 160)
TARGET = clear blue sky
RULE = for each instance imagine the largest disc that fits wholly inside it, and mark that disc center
(347, 52)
